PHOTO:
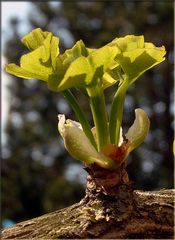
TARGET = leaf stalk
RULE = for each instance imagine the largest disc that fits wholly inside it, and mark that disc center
(80, 115)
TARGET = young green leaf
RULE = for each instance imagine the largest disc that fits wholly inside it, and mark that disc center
(128, 43)
(136, 62)
(111, 76)
(137, 56)
(20, 72)
(77, 73)
(40, 63)
(91, 71)
(82, 70)
(34, 39)
(78, 50)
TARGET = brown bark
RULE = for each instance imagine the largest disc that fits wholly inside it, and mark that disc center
(106, 212)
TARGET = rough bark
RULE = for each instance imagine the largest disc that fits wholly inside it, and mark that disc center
(115, 212)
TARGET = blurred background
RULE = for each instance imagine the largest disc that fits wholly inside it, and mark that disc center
(38, 176)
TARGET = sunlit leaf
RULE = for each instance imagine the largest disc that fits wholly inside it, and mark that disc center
(136, 56)
(32, 62)
(82, 70)
(54, 51)
(136, 62)
(77, 73)
(20, 72)
(41, 62)
(75, 52)
(110, 77)
(128, 43)
(34, 39)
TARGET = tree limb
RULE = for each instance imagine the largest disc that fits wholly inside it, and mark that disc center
(131, 214)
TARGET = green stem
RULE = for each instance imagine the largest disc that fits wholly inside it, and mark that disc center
(116, 113)
(98, 108)
(80, 115)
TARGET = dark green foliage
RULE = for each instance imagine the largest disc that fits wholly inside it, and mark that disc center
(34, 160)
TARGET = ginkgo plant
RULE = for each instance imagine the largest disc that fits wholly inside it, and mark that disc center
(91, 71)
